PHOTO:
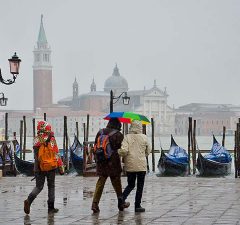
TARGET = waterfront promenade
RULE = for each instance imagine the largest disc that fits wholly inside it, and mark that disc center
(170, 200)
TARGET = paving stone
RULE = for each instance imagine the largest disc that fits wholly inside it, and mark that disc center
(168, 200)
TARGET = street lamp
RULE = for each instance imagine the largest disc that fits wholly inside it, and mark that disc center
(14, 64)
(125, 99)
(3, 100)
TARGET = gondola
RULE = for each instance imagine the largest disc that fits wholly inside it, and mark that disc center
(23, 166)
(76, 153)
(216, 163)
(175, 162)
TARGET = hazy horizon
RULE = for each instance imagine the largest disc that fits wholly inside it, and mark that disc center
(190, 47)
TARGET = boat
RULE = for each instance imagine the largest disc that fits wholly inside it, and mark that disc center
(23, 166)
(216, 163)
(76, 155)
(175, 162)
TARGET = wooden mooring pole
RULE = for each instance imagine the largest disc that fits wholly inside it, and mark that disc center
(223, 136)
(66, 143)
(144, 131)
(189, 143)
(44, 116)
(34, 127)
(6, 126)
(24, 137)
(237, 150)
(125, 128)
(87, 130)
(77, 130)
(21, 135)
(194, 147)
(235, 153)
(84, 131)
(153, 152)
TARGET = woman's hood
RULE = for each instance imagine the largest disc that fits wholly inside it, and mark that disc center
(136, 127)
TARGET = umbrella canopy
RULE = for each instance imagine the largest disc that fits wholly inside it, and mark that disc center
(127, 117)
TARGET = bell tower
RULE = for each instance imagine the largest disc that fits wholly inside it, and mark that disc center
(42, 71)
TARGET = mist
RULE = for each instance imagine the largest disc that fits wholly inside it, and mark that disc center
(191, 47)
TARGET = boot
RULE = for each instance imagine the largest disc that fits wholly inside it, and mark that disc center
(139, 209)
(51, 208)
(122, 204)
(95, 207)
(27, 206)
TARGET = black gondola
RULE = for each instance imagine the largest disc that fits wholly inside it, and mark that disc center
(217, 163)
(175, 162)
(24, 167)
(76, 153)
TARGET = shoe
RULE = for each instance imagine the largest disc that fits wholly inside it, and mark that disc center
(122, 204)
(51, 208)
(26, 206)
(54, 210)
(139, 209)
(95, 207)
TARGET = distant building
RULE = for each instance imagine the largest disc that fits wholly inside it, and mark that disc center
(151, 103)
(210, 118)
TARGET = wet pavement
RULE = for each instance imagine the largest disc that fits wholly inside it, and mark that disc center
(168, 200)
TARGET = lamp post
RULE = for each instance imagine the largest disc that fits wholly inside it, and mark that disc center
(125, 99)
(14, 64)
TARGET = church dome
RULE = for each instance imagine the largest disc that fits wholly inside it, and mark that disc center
(116, 82)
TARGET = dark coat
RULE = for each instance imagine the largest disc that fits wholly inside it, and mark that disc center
(112, 167)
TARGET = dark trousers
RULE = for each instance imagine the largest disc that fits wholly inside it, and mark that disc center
(40, 180)
(131, 179)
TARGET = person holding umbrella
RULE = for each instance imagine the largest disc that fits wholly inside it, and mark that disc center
(111, 167)
(134, 149)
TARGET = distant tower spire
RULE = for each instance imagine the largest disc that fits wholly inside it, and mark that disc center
(116, 71)
(75, 89)
(42, 40)
(42, 71)
(155, 83)
(93, 86)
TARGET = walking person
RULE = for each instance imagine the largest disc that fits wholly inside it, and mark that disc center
(47, 160)
(111, 167)
(134, 149)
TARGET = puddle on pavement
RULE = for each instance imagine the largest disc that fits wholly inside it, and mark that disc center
(87, 193)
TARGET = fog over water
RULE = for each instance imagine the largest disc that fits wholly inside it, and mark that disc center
(203, 142)
(191, 47)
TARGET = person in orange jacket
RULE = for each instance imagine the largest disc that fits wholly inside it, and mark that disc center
(45, 136)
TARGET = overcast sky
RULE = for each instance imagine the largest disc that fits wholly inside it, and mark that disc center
(192, 47)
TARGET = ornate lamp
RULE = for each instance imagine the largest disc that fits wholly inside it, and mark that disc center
(125, 98)
(14, 64)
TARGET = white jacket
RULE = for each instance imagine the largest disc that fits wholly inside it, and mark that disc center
(134, 149)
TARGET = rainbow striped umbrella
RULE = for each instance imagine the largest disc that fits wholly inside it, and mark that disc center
(127, 117)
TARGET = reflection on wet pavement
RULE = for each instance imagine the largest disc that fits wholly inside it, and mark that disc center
(168, 200)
